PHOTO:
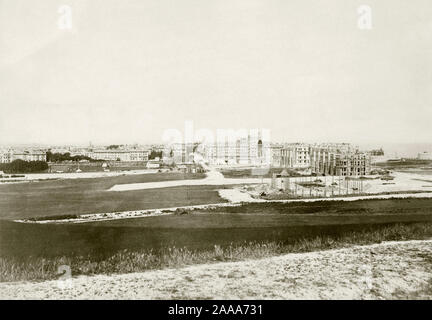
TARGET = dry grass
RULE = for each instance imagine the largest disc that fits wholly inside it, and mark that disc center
(14, 269)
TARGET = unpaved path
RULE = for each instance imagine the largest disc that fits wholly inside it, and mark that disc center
(213, 178)
(383, 271)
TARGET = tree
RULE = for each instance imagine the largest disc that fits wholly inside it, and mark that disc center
(21, 166)
(59, 157)
(155, 154)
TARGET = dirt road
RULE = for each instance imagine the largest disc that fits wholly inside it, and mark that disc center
(390, 270)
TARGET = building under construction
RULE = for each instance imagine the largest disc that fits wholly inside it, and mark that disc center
(339, 160)
(356, 164)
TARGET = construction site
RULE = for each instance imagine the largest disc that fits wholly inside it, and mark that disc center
(283, 186)
(313, 186)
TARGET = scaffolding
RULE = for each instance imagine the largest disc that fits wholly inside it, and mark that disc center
(318, 186)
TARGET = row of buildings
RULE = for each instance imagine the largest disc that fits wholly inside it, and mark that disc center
(329, 159)
(127, 155)
(7, 156)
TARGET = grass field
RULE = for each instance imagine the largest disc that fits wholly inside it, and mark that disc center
(80, 196)
(202, 229)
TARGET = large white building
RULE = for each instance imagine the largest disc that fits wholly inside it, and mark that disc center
(247, 150)
(119, 155)
(30, 155)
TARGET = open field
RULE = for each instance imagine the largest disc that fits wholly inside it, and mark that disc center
(391, 270)
(99, 243)
(111, 195)
(80, 196)
(253, 221)
(202, 229)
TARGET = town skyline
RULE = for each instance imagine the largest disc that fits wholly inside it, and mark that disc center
(407, 150)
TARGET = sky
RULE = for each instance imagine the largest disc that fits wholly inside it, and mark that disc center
(129, 70)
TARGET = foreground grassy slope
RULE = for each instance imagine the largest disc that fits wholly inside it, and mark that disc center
(392, 270)
(41, 268)
(79, 196)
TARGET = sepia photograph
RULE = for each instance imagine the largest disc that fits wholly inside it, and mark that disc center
(215, 150)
